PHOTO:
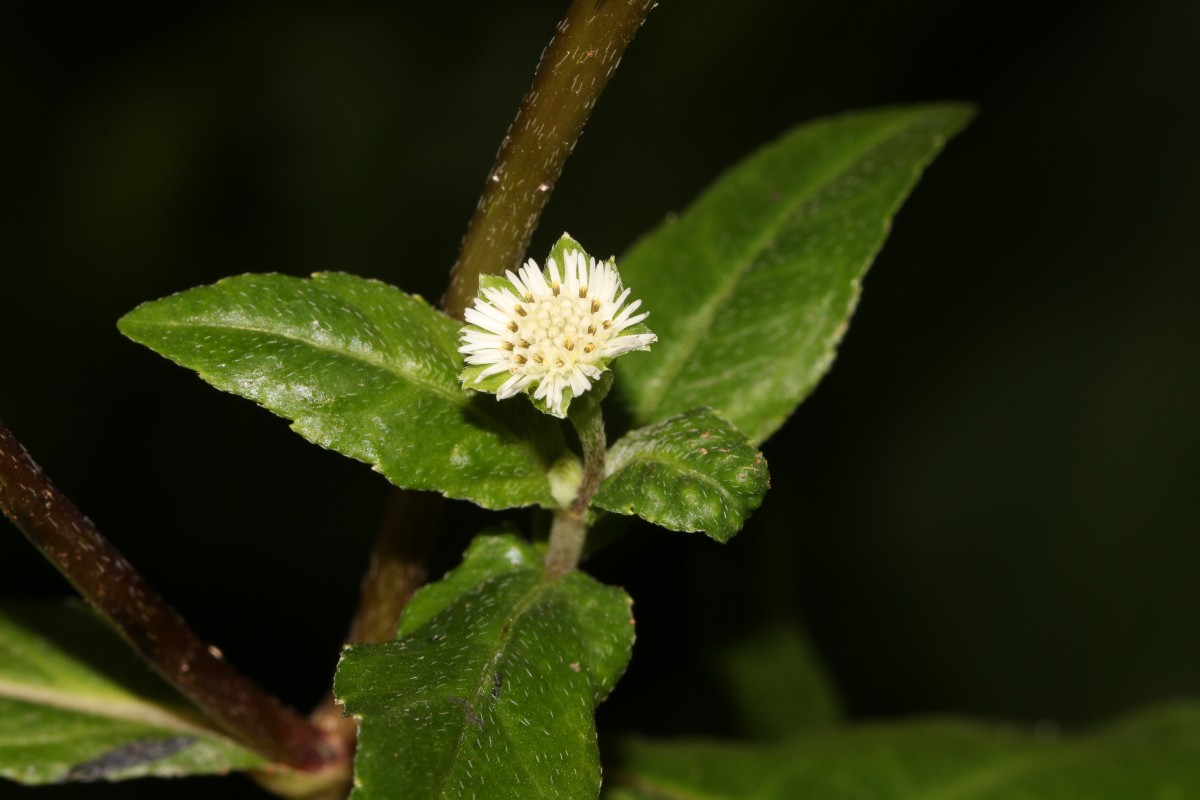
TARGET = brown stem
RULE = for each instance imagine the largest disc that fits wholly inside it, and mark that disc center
(155, 630)
(399, 564)
(398, 567)
(573, 71)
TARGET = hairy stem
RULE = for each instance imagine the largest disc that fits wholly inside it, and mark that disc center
(399, 566)
(568, 532)
(573, 71)
(109, 582)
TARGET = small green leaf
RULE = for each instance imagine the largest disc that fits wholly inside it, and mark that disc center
(751, 288)
(776, 685)
(490, 688)
(1152, 755)
(77, 705)
(693, 472)
(363, 369)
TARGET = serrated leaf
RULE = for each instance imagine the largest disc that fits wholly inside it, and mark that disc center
(751, 288)
(76, 705)
(1152, 755)
(693, 472)
(363, 369)
(490, 688)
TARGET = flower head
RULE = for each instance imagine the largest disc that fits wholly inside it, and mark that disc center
(550, 333)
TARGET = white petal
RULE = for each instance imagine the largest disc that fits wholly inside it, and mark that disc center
(515, 281)
(579, 383)
(494, 369)
(512, 386)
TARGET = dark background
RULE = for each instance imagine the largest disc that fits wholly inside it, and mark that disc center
(987, 508)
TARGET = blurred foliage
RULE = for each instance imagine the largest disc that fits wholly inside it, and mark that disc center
(986, 507)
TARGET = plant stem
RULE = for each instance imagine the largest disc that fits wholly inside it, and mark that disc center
(573, 71)
(399, 564)
(398, 567)
(568, 532)
(109, 582)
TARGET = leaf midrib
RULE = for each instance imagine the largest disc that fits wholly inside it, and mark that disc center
(485, 678)
(367, 357)
(675, 359)
(115, 708)
(460, 398)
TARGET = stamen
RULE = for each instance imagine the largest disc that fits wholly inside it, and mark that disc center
(592, 330)
(520, 359)
(595, 306)
(555, 288)
(524, 344)
(506, 345)
(529, 297)
(589, 347)
(558, 362)
(607, 324)
(538, 358)
(521, 310)
(512, 326)
(583, 291)
(570, 346)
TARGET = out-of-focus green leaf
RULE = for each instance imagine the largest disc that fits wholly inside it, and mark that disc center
(490, 688)
(776, 686)
(77, 705)
(693, 472)
(751, 288)
(1152, 756)
(363, 369)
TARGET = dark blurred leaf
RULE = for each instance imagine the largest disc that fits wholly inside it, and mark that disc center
(490, 689)
(1153, 755)
(776, 686)
(76, 705)
(360, 368)
(750, 289)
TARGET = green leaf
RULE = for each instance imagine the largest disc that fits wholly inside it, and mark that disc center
(490, 688)
(776, 685)
(363, 369)
(1152, 755)
(751, 288)
(693, 472)
(77, 705)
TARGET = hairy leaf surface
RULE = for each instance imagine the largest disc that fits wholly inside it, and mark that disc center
(363, 369)
(692, 472)
(490, 688)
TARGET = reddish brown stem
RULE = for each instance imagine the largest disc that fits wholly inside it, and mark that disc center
(399, 566)
(155, 630)
(573, 71)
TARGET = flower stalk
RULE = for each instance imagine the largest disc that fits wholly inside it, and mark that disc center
(568, 531)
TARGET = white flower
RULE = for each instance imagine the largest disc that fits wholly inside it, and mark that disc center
(552, 333)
